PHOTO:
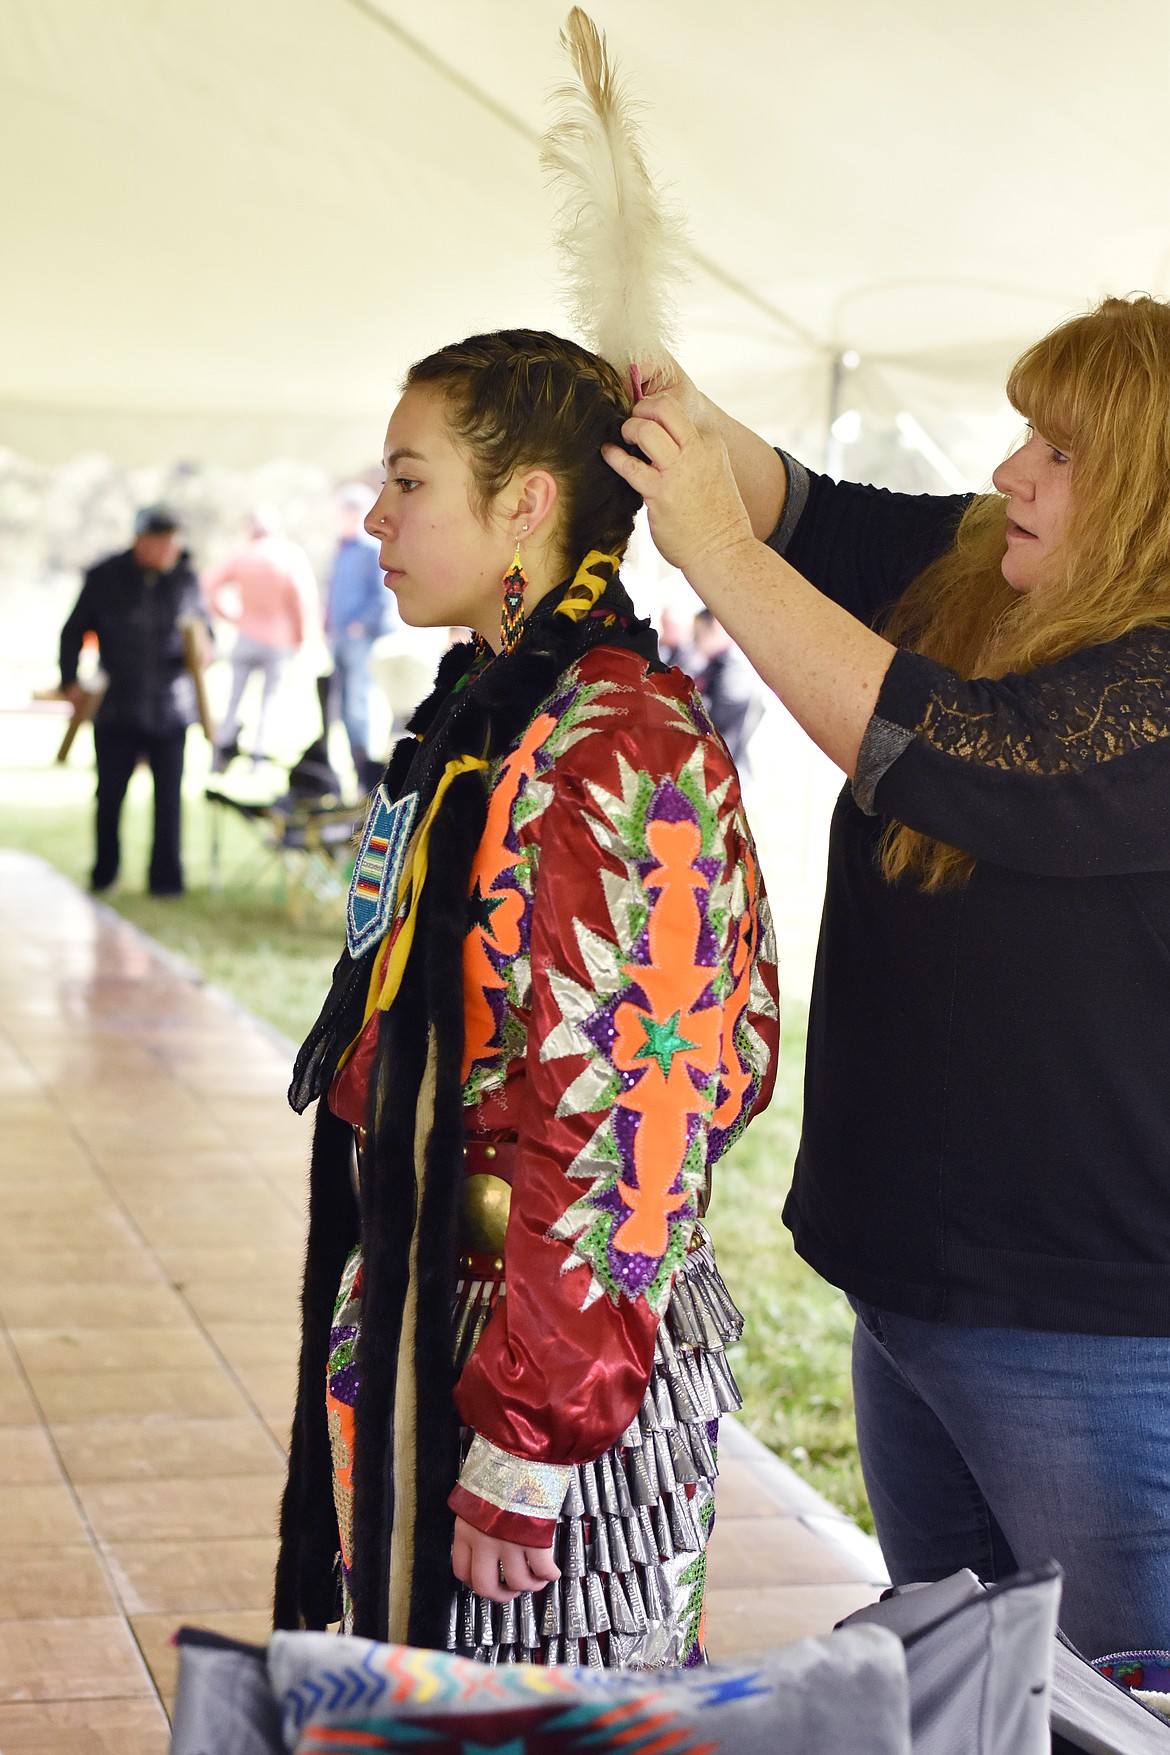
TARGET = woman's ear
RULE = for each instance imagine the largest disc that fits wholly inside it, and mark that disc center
(537, 496)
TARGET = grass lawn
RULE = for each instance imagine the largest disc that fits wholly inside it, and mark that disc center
(793, 1365)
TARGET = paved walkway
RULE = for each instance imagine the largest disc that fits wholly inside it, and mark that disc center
(151, 1220)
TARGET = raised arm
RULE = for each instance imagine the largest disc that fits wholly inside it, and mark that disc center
(825, 665)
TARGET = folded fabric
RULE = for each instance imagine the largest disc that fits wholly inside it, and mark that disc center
(224, 1704)
(987, 1677)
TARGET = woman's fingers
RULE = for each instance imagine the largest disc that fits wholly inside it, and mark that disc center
(542, 1564)
(496, 1569)
(488, 1578)
(668, 377)
(526, 1568)
(640, 474)
(652, 439)
(665, 413)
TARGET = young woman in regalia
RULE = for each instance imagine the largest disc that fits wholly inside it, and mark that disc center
(556, 1011)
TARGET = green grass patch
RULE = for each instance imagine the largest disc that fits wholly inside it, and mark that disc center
(793, 1364)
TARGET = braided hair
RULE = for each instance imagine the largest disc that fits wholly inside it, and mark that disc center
(520, 398)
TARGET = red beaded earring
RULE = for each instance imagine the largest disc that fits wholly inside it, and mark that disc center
(512, 615)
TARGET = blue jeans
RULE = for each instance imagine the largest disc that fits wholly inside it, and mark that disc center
(1000, 1448)
(350, 696)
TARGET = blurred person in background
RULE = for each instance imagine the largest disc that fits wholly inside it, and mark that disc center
(358, 609)
(136, 604)
(732, 692)
(676, 637)
(266, 589)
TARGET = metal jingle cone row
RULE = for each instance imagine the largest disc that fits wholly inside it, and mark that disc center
(474, 1302)
(633, 1519)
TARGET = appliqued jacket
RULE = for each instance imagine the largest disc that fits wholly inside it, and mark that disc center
(621, 1024)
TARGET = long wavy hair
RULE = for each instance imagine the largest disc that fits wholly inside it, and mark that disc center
(1097, 387)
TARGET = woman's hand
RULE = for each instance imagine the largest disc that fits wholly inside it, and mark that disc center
(496, 1569)
(759, 474)
(669, 379)
(686, 480)
(826, 667)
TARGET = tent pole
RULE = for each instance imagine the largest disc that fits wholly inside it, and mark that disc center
(833, 448)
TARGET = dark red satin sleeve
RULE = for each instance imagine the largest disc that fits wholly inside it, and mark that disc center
(562, 1366)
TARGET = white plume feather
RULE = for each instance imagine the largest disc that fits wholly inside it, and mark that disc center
(622, 244)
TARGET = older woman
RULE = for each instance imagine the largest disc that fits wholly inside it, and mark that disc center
(985, 1167)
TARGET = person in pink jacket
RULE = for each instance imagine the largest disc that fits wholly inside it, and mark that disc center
(266, 588)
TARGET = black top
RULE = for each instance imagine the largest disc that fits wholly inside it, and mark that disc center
(136, 616)
(987, 1098)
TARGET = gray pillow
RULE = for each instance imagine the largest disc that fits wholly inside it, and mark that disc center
(979, 1660)
(846, 1692)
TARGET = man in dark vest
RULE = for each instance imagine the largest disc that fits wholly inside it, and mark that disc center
(136, 604)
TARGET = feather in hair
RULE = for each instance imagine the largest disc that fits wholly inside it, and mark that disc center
(622, 244)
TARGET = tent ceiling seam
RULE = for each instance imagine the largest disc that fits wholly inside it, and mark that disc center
(706, 264)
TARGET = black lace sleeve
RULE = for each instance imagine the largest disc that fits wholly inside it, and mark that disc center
(1063, 772)
(860, 545)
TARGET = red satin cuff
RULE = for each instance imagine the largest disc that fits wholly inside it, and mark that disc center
(506, 1526)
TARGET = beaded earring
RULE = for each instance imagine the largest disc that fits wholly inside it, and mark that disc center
(512, 615)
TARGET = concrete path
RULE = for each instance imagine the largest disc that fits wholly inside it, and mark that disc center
(152, 1184)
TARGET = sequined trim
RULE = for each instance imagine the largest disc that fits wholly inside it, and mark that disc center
(513, 1483)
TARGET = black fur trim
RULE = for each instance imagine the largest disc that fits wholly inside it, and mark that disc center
(306, 1579)
(388, 1215)
(456, 836)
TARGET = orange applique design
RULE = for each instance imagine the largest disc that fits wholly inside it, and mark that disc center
(737, 1078)
(500, 902)
(664, 1039)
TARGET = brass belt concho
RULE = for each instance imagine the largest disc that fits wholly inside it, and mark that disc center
(483, 1214)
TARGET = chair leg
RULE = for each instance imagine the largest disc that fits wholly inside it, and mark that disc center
(214, 873)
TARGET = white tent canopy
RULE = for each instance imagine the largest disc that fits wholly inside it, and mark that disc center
(228, 226)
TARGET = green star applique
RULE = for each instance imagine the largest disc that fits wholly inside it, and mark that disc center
(480, 909)
(662, 1043)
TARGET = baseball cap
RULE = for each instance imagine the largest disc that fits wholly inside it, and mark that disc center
(155, 521)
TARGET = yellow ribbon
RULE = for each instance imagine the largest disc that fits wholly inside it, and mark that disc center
(588, 585)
